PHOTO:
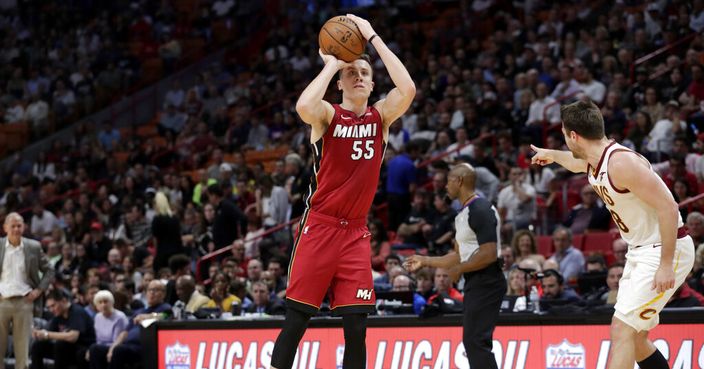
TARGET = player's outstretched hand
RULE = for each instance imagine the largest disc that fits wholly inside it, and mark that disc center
(541, 157)
(331, 59)
(664, 279)
(364, 26)
(413, 262)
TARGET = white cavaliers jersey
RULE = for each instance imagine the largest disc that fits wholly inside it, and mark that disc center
(636, 220)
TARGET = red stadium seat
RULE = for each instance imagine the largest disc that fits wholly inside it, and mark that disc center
(545, 247)
(599, 241)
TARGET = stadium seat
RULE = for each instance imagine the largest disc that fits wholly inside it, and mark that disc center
(599, 241)
(545, 247)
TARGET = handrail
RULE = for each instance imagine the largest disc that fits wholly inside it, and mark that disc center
(657, 52)
(691, 200)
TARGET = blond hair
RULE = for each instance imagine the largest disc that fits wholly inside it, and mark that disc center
(161, 204)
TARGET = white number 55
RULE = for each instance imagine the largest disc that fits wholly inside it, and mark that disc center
(367, 152)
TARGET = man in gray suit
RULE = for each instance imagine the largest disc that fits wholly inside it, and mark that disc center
(21, 287)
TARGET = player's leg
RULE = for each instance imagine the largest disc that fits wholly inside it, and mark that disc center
(647, 355)
(352, 294)
(355, 328)
(623, 345)
(310, 271)
(294, 327)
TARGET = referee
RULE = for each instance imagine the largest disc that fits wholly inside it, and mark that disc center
(477, 256)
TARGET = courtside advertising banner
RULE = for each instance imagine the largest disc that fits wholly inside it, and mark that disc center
(527, 347)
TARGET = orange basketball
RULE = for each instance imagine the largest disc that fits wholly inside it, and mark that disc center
(341, 37)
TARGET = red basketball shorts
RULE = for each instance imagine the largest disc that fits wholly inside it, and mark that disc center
(331, 255)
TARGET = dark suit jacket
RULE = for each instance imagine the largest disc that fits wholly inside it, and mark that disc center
(35, 261)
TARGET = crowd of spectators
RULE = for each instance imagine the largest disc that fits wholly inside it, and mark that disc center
(64, 60)
(490, 82)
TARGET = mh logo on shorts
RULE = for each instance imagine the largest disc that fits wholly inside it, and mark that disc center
(364, 294)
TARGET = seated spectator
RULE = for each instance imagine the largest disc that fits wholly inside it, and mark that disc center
(663, 134)
(424, 281)
(68, 337)
(410, 231)
(109, 323)
(220, 296)
(172, 120)
(443, 286)
(508, 258)
(570, 260)
(524, 246)
(379, 244)
(589, 215)
(613, 277)
(262, 302)
(383, 282)
(516, 283)
(128, 346)
(619, 248)
(187, 294)
(276, 268)
(592, 283)
(405, 283)
(440, 233)
(554, 287)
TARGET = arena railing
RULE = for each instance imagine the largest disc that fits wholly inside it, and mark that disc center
(658, 52)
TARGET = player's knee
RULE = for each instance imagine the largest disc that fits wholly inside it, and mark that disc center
(355, 326)
(621, 331)
(297, 319)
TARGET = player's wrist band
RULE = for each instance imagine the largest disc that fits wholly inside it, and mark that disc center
(372, 38)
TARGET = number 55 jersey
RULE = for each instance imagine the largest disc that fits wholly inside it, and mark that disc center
(347, 162)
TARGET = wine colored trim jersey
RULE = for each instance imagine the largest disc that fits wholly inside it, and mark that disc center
(347, 162)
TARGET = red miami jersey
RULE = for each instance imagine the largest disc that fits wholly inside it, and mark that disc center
(347, 162)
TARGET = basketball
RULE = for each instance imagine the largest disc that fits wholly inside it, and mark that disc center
(341, 38)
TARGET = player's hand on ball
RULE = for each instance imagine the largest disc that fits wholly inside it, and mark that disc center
(664, 279)
(331, 59)
(413, 262)
(541, 157)
(364, 26)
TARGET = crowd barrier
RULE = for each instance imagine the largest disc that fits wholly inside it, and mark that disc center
(521, 341)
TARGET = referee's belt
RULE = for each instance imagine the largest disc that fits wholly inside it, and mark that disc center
(682, 232)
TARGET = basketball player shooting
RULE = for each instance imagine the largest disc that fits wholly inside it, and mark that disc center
(332, 248)
(660, 252)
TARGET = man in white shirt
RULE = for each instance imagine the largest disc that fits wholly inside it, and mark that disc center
(21, 261)
(568, 85)
(516, 202)
(662, 135)
(595, 90)
(43, 221)
(537, 113)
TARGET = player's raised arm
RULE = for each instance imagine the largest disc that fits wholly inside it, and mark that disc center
(564, 158)
(310, 105)
(400, 98)
(631, 172)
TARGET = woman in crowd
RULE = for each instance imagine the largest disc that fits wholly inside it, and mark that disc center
(525, 246)
(109, 323)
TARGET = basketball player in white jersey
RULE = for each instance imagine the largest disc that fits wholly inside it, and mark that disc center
(660, 253)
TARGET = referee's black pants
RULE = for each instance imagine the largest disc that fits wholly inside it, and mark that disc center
(483, 292)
